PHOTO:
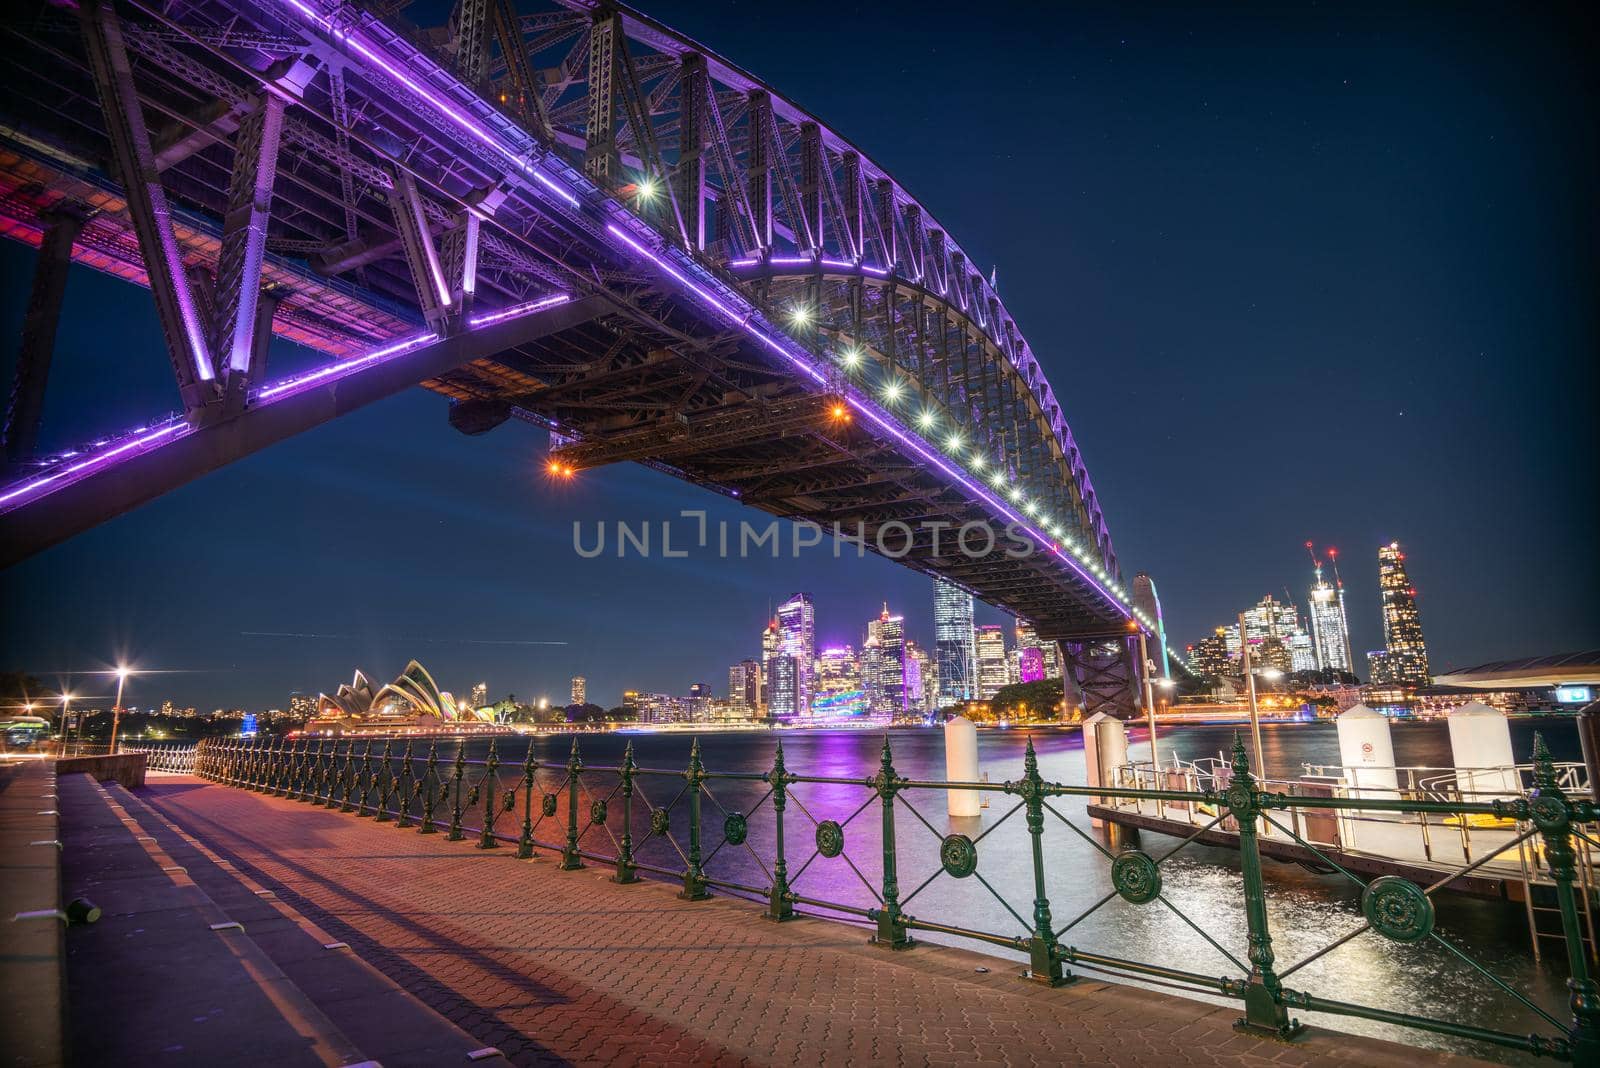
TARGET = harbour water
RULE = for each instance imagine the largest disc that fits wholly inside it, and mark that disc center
(1201, 929)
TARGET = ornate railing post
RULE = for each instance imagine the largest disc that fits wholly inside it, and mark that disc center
(779, 907)
(292, 786)
(1553, 813)
(694, 877)
(570, 858)
(491, 797)
(530, 767)
(387, 790)
(1044, 962)
(302, 770)
(892, 930)
(430, 776)
(626, 872)
(280, 767)
(324, 764)
(335, 774)
(363, 781)
(456, 776)
(352, 776)
(1264, 1012)
(269, 766)
(406, 788)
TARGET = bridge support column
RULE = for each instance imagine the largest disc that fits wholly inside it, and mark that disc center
(39, 332)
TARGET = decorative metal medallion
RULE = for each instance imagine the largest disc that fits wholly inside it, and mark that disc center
(1237, 797)
(508, 801)
(597, 811)
(735, 828)
(1136, 876)
(830, 838)
(659, 822)
(472, 797)
(959, 855)
(1548, 813)
(1398, 909)
(547, 804)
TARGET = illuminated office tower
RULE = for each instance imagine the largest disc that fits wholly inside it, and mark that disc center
(797, 638)
(744, 685)
(1276, 637)
(886, 635)
(1330, 630)
(953, 642)
(917, 667)
(1030, 664)
(783, 692)
(1028, 638)
(1404, 661)
(993, 671)
(580, 690)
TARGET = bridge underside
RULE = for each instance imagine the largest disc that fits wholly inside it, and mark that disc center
(203, 149)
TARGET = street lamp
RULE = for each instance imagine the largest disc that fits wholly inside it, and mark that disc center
(66, 699)
(123, 671)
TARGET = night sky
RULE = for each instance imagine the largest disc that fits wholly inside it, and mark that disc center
(1306, 272)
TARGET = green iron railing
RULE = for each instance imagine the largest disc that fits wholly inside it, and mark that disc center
(567, 810)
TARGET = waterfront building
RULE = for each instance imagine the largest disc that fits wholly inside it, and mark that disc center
(580, 691)
(479, 696)
(886, 637)
(1049, 652)
(993, 671)
(953, 643)
(918, 665)
(771, 646)
(302, 706)
(1030, 665)
(1330, 629)
(840, 691)
(1404, 661)
(783, 687)
(797, 639)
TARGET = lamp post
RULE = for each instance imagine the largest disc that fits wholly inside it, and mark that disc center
(66, 700)
(123, 671)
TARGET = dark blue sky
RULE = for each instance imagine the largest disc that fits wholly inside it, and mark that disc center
(1300, 272)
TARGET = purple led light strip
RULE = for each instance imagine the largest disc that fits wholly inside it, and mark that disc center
(179, 428)
(870, 410)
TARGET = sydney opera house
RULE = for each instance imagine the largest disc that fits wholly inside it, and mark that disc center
(412, 704)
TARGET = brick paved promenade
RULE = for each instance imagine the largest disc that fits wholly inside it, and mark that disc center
(566, 967)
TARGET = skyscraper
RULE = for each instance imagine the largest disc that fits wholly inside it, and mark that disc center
(993, 671)
(1049, 657)
(783, 696)
(1330, 631)
(887, 683)
(918, 665)
(1404, 661)
(744, 685)
(953, 642)
(1276, 637)
(580, 690)
(797, 638)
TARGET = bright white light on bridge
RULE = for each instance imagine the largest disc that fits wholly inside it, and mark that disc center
(1031, 507)
(954, 443)
(647, 189)
(977, 463)
(925, 420)
(800, 315)
(892, 391)
(852, 358)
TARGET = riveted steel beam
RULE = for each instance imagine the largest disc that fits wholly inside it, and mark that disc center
(134, 162)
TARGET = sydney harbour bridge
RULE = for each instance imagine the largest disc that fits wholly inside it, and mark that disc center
(563, 214)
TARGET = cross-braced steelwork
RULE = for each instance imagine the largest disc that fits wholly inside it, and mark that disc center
(734, 832)
(568, 215)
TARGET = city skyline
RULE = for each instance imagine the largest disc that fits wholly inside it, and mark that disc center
(1383, 336)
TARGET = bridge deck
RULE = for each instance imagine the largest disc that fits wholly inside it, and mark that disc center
(564, 967)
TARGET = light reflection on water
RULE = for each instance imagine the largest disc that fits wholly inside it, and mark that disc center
(1306, 910)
